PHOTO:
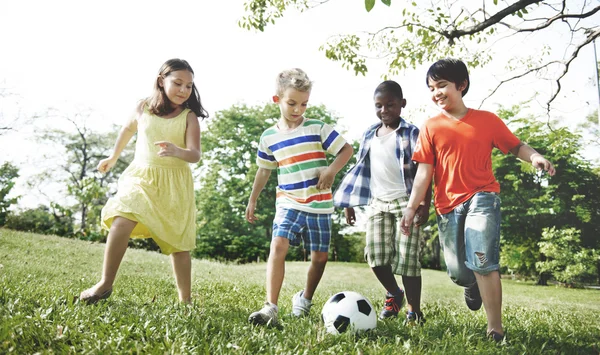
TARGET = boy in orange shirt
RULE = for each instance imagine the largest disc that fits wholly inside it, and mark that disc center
(455, 149)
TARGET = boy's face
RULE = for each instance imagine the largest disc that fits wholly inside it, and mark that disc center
(388, 108)
(446, 94)
(292, 104)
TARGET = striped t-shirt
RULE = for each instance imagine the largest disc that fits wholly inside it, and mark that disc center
(298, 155)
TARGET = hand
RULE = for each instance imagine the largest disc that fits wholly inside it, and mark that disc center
(407, 220)
(350, 216)
(250, 217)
(167, 149)
(106, 164)
(422, 215)
(538, 161)
(325, 179)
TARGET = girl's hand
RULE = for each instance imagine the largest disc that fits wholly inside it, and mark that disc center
(106, 164)
(167, 149)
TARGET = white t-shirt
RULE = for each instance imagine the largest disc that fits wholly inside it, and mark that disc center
(387, 176)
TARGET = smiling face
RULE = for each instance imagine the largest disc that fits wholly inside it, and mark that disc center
(292, 104)
(178, 86)
(388, 107)
(447, 95)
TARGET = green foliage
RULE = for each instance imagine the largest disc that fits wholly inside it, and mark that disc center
(567, 260)
(532, 201)
(8, 174)
(55, 220)
(259, 13)
(41, 277)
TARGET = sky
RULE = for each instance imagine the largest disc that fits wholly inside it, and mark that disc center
(102, 57)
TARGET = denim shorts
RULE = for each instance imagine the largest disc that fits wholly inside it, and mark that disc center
(470, 237)
(314, 229)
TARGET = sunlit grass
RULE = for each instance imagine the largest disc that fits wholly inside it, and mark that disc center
(40, 277)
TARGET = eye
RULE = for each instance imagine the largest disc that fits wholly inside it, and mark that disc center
(304, 105)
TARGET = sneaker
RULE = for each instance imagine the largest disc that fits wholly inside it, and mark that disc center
(300, 305)
(497, 337)
(392, 305)
(473, 297)
(266, 316)
(414, 318)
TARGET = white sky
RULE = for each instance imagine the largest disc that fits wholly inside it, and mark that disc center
(103, 56)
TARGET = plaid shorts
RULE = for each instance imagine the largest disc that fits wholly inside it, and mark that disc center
(314, 229)
(386, 245)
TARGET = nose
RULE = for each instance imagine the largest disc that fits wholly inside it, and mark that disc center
(296, 109)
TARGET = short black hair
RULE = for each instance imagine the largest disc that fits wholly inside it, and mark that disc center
(391, 87)
(453, 70)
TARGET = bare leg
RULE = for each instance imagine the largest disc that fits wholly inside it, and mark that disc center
(182, 268)
(116, 245)
(276, 267)
(490, 288)
(412, 287)
(386, 277)
(318, 260)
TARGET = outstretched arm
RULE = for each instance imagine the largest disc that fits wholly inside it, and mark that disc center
(420, 187)
(528, 154)
(127, 131)
(260, 180)
(341, 159)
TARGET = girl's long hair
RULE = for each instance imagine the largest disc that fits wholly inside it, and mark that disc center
(160, 105)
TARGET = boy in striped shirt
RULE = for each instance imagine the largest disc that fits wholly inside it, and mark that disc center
(296, 147)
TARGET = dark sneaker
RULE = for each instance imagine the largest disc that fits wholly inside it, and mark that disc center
(392, 305)
(414, 318)
(473, 297)
(265, 316)
(494, 335)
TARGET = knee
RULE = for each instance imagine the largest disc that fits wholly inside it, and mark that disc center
(319, 258)
(279, 246)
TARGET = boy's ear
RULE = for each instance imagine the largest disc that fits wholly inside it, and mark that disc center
(403, 103)
(276, 99)
(462, 86)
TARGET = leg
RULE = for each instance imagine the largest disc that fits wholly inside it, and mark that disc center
(451, 227)
(412, 287)
(318, 260)
(387, 278)
(276, 267)
(182, 269)
(491, 294)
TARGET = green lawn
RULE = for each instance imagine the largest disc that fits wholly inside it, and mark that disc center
(41, 277)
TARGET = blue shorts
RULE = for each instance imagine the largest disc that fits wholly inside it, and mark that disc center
(470, 237)
(314, 229)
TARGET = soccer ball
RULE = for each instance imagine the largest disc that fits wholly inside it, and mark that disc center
(348, 311)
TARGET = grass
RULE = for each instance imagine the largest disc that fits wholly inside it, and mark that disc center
(41, 277)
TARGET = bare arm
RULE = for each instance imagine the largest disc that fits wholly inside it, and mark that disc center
(260, 180)
(341, 159)
(191, 153)
(530, 155)
(127, 131)
(420, 189)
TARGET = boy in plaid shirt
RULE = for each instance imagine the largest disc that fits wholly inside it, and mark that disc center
(382, 179)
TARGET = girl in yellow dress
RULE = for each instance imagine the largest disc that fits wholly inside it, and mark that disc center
(155, 197)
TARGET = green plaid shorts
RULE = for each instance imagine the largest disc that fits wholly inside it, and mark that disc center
(386, 245)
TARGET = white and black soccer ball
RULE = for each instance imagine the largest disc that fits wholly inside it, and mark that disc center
(348, 311)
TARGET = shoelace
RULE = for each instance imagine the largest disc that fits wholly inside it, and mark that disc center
(390, 305)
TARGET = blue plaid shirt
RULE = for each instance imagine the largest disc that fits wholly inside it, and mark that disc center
(355, 189)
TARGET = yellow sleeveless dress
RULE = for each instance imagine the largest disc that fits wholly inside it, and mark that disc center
(157, 192)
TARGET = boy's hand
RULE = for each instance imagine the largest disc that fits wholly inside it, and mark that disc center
(326, 177)
(538, 161)
(250, 212)
(167, 149)
(407, 220)
(106, 164)
(350, 216)
(422, 215)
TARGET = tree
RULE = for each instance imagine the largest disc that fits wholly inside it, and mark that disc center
(8, 174)
(427, 31)
(79, 152)
(228, 169)
(532, 201)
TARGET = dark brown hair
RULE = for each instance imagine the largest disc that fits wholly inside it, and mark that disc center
(160, 105)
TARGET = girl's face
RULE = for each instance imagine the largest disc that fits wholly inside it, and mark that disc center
(446, 94)
(292, 104)
(388, 107)
(178, 86)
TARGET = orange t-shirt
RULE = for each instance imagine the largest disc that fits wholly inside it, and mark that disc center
(461, 154)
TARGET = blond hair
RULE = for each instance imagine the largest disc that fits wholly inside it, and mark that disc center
(293, 78)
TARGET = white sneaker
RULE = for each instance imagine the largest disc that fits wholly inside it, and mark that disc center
(300, 305)
(266, 316)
